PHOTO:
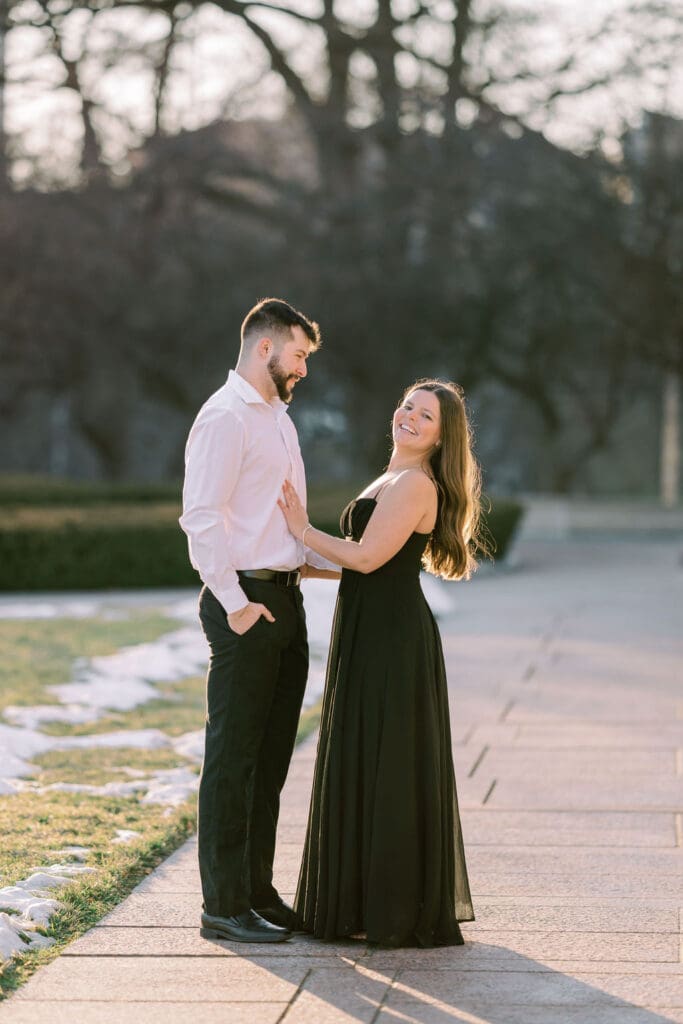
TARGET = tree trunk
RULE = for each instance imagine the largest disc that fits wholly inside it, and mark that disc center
(4, 164)
(670, 452)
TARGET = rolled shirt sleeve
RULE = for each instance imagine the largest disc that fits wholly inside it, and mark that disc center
(316, 560)
(213, 459)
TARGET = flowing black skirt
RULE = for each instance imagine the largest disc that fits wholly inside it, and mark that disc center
(384, 852)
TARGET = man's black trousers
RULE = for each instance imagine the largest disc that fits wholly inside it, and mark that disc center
(255, 687)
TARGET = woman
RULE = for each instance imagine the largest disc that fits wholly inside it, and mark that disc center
(384, 854)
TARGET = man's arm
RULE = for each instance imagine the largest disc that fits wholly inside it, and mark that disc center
(320, 567)
(213, 460)
(312, 572)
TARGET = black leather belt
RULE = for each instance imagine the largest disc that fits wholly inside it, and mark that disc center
(282, 579)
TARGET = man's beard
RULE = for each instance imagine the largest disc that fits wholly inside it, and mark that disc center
(280, 379)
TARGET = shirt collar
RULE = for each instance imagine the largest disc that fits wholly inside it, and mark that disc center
(248, 393)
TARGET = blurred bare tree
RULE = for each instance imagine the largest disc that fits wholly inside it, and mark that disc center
(411, 196)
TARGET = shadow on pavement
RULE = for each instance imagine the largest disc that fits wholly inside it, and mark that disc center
(472, 984)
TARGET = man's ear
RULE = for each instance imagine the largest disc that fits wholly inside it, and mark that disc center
(265, 347)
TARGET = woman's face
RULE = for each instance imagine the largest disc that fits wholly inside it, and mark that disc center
(416, 425)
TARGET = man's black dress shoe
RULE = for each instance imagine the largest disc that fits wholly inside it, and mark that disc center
(246, 927)
(279, 913)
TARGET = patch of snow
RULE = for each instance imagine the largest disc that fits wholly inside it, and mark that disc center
(30, 717)
(77, 852)
(39, 881)
(125, 835)
(14, 767)
(123, 788)
(186, 609)
(109, 789)
(171, 787)
(41, 609)
(126, 679)
(8, 787)
(22, 743)
(123, 680)
(102, 695)
(146, 739)
(70, 787)
(190, 745)
(63, 870)
(35, 908)
(18, 935)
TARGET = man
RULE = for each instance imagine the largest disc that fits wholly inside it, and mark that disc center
(241, 448)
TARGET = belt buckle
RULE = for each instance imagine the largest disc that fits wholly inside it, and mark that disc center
(292, 578)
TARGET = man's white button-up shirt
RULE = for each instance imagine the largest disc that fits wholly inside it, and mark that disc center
(240, 451)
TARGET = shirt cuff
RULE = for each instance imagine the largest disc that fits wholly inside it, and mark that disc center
(232, 598)
(318, 562)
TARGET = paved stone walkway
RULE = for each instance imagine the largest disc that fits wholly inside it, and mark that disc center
(566, 688)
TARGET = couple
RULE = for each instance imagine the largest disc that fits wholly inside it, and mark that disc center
(384, 857)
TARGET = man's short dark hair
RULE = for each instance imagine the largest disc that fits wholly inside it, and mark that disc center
(275, 316)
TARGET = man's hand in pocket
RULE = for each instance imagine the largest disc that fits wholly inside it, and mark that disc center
(241, 621)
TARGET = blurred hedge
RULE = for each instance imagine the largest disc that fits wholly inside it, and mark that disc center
(94, 548)
(44, 491)
(94, 545)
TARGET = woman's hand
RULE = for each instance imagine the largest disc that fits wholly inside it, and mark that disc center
(293, 510)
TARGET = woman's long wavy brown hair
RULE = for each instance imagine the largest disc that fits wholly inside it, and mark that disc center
(458, 533)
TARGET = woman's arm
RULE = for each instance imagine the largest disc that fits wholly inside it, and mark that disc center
(404, 504)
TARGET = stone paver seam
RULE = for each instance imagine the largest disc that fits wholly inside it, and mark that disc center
(507, 709)
(469, 735)
(489, 791)
(291, 1002)
(384, 998)
(484, 750)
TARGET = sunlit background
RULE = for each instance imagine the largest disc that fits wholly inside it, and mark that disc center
(485, 190)
(490, 192)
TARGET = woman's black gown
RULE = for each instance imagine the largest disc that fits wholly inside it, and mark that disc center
(384, 853)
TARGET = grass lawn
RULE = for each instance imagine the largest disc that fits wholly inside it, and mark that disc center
(95, 766)
(35, 826)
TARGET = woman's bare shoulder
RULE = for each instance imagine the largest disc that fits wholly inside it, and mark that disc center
(414, 484)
